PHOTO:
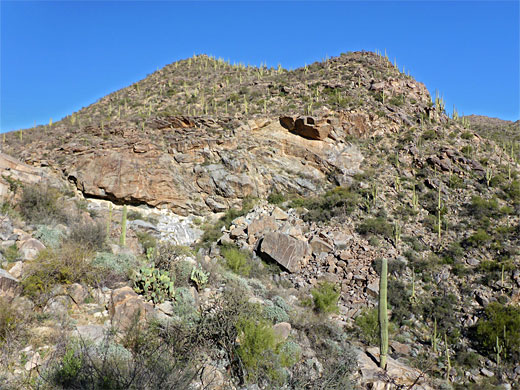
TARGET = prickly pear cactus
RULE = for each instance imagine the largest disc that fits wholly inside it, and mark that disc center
(154, 284)
(199, 276)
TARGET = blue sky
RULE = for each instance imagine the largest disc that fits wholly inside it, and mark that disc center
(57, 57)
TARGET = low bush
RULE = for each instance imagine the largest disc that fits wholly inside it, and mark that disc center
(339, 201)
(276, 198)
(375, 226)
(367, 324)
(337, 357)
(238, 261)
(48, 236)
(39, 205)
(12, 254)
(257, 345)
(118, 266)
(325, 298)
(68, 264)
(503, 323)
(89, 235)
(143, 362)
(168, 254)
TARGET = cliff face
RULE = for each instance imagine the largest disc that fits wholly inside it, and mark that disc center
(200, 134)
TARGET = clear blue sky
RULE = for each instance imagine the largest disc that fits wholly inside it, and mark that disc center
(57, 57)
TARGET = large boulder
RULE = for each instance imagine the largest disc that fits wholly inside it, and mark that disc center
(30, 248)
(287, 251)
(307, 126)
(126, 306)
(8, 284)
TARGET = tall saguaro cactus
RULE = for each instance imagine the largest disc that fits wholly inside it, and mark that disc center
(383, 314)
(122, 238)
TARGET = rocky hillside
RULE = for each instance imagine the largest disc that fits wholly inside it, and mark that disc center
(230, 221)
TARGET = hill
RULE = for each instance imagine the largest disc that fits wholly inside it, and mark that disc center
(269, 198)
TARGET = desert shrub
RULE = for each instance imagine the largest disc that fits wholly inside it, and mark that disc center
(11, 253)
(11, 322)
(339, 201)
(69, 264)
(276, 198)
(375, 226)
(482, 208)
(148, 242)
(367, 324)
(133, 215)
(290, 353)
(239, 261)
(257, 350)
(502, 322)
(143, 362)
(335, 354)
(48, 236)
(90, 235)
(118, 265)
(325, 298)
(275, 313)
(168, 254)
(185, 306)
(443, 308)
(39, 204)
(477, 239)
(182, 272)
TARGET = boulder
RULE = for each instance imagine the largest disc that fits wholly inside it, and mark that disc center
(279, 214)
(8, 284)
(287, 251)
(308, 127)
(319, 246)
(126, 306)
(30, 248)
(261, 225)
(282, 330)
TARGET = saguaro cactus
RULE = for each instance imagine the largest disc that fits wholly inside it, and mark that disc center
(383, 314)
(122, 238)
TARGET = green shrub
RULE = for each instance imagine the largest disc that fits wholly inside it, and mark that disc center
(237, 260)
(39, 205)
(144, 362)
(185, 306)
(290, 353)
(502, 322)
(325, 298)
(182, 271)
(168, 254)
(12, 254)
(48, 236)
(477, 239)
(275, 313)
(116, 264)
(147, 241)
(480, 208)
(68, 264)
(90, 235)
(375, 226)
(11, 322)
(276, 198)
(257, 345)
(334, 352)
(368, 326)
(339, 201)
